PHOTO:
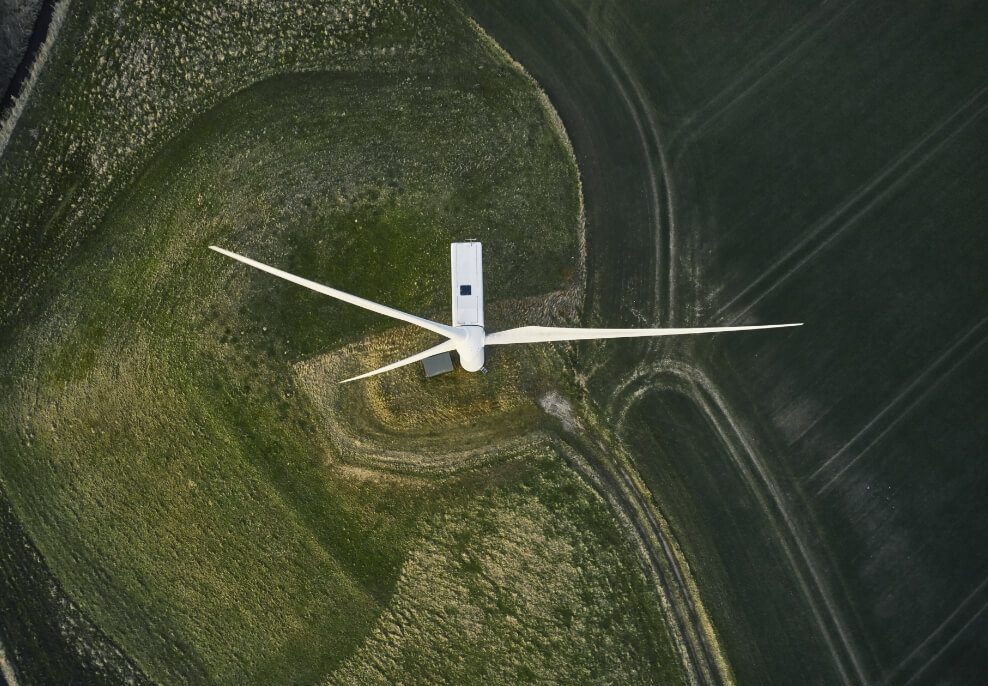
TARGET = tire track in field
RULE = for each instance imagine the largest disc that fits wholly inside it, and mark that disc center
(903, 403)
(939, 631)
(662, 216)
(659, 201)
(898, 399)
(631, 503)
(660, 181)
(936, 656)
(847, 215)
(757, 73)
(691, 381)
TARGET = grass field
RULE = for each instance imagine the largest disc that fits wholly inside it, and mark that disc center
(161, 449)
(814, 162)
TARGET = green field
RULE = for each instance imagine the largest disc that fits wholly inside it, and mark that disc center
(816, 162)
(171, 474)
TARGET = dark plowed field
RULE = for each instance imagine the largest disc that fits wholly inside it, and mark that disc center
(816, 162)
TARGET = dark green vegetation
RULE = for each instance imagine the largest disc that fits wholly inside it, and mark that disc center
(158, 447)
(799, 161)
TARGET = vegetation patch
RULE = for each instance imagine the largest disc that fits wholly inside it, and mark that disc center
(161, 449)
(512, 574)
(448, 423)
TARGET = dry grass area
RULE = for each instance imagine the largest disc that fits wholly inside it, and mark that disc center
(403, 421)
(508, 575)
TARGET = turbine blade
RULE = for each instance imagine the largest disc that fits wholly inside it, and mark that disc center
(441, 348)
(441, 329)
(544, 334)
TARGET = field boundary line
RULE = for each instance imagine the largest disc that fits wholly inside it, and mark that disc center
(19, 102)
(557, 123)
(7, 669)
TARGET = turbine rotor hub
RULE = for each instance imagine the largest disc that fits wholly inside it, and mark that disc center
(470, 348)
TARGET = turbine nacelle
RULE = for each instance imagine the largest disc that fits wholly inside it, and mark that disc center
(467, 335)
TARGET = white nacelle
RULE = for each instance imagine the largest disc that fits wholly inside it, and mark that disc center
(467, 271)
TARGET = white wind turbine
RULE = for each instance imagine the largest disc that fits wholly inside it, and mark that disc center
(467, 336)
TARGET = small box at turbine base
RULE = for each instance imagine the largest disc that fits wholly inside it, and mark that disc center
(437, 364)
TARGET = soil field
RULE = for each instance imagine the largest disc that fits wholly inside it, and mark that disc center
(816, 162)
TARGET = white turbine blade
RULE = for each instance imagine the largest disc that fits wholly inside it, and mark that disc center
(441, 348)
(544, 334)
(436, 327)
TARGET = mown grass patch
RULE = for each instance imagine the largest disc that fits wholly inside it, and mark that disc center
(165, 416)
(425, 420)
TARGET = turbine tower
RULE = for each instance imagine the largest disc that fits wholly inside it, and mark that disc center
(467, 335)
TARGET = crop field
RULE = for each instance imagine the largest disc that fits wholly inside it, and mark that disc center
(805, 161)
(187, 495)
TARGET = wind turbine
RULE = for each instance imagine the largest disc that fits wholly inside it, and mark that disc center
(467, 336)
